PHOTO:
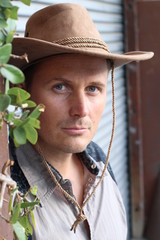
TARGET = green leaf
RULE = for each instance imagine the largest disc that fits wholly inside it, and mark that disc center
(20, 93)
(24, 221)
(34, 191)
(12, 73)
(7, 12)
(31, 133)
(10, 203)
(30, 104)
(5, 52)
(14, 100)
(3, 23)
(9, 117)
(19, 231)
(17, 122)
(34, 122)
(29, 204)
(25, 114)
(4, 102)
(10, 36)
(2, 13)
(11, 25)
(13, 13)
(27, 2)
(37, 111)
(2, 38)
(6, 86)
(33, 219)
(29, 230)
(15, 143)
(16, 213)
(5, 4)
(19, 135)
(23, 123)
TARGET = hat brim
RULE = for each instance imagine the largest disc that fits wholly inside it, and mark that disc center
(38, 49)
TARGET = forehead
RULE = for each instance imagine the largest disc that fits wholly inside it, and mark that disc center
(71, 66)
(73, 61)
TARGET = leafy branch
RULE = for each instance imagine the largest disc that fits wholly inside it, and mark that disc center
(21, 127)
(22, 124)
(21, 213)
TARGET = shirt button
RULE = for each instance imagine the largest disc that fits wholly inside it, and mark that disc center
(93, 166)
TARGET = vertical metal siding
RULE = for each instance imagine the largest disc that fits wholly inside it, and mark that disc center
(108, 17)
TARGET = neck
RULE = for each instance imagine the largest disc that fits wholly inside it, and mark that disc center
(61, 161)
(69, 166)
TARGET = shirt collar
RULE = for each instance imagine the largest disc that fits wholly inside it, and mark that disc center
(37, 174)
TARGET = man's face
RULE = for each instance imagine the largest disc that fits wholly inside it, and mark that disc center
(73, 89)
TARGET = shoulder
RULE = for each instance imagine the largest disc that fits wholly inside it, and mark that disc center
(98, 154)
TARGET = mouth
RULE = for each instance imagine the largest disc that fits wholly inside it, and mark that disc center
(75, 130)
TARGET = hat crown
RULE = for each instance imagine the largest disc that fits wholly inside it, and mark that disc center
(65, 28)
(61, 21)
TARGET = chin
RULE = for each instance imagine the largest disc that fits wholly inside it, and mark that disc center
(75, 148)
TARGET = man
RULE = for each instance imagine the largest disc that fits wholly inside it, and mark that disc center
(67, 72)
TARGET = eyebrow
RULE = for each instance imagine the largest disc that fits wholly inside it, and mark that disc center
(97, 83)
(59, 79)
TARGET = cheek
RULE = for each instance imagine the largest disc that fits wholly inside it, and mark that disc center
(54, 113)
(48, 121)
(36, 96)
(51, 112)
(97, 111)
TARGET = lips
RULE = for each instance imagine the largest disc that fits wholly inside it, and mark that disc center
(75, 130)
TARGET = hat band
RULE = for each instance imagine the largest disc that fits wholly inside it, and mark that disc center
(80, 42)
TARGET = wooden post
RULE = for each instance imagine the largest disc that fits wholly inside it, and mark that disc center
(135, 128)
(5, 228)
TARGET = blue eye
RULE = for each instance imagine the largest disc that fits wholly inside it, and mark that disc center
(60, 87)
(92, 88)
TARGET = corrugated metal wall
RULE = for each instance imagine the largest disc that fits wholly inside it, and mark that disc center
(108, 17)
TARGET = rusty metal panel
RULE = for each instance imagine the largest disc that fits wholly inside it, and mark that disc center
(152, 229)
(149, 38)
(142, 33)
(5, 228)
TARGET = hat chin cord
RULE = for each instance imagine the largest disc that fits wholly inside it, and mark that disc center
(81, 216)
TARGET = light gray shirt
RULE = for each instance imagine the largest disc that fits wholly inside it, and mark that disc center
(105, 212)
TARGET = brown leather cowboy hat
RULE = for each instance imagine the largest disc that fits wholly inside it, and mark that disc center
(65, 28)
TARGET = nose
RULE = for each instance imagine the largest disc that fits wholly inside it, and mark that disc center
(78, 105)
